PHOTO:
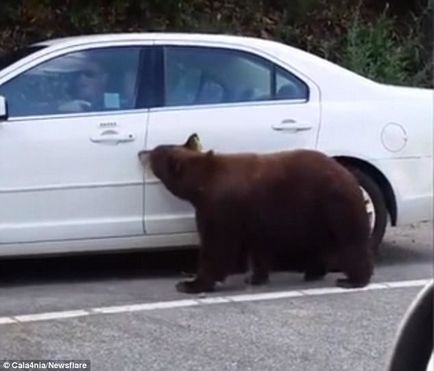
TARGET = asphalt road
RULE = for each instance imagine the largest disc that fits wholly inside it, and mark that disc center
(301, 330)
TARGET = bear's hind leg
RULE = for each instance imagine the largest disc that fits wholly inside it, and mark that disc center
(357, 265)
(261, 262)
(315, 270)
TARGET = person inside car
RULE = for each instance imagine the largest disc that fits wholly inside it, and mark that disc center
(88, 88)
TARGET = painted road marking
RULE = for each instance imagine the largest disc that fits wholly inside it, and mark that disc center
(50, 315)
(26, 318)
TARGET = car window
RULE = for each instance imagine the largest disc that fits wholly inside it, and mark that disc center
(196, 75)
(289, 86)
(86, 81)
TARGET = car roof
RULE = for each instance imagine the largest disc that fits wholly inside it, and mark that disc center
(157, 36)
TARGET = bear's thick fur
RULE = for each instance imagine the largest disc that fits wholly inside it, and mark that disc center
(260, 204)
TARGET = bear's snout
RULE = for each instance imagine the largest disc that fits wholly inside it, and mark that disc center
(144, 157)
(143, 153)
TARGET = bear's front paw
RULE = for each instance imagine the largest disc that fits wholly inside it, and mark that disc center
(256, 280)
(193, 287)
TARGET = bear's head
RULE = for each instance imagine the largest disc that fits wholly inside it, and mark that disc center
(173, 165)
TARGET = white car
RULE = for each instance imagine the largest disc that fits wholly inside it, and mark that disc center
(76, 111)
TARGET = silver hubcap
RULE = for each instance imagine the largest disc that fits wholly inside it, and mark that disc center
(370, 209)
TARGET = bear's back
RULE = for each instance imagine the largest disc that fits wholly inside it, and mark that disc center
(286, 192)
(306, 173)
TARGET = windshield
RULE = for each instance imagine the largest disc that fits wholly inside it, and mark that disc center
(8, 58)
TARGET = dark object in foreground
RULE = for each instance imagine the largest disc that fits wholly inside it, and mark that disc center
(414, 342)
(253, 206)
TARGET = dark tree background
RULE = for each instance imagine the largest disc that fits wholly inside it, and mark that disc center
(389, 41)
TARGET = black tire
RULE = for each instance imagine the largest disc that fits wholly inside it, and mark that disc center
(377, 197)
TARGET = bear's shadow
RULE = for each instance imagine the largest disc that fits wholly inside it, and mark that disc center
(171, 264)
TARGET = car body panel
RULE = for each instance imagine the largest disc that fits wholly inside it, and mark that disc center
(388, 127)
(164, 213)
(62, 188)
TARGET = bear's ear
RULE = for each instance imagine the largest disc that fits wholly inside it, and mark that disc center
(193, 143)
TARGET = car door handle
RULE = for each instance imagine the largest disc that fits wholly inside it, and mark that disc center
(112, 136)
(292, 126)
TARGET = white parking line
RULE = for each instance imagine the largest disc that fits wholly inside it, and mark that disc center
(5, 320)
(408, 283)
(50, 315)
(145, 306)
(265, 296)
(205, 301)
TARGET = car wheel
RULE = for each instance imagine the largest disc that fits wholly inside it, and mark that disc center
(375, 206)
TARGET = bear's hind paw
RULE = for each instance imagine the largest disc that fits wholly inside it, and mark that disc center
(193, 287)
(256, 280)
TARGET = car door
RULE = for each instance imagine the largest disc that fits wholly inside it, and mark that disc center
(236, 101)
(68, 151)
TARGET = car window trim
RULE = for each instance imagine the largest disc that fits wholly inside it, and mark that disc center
(229, 105)
(149, 90)
(273, 81)
(61, 116)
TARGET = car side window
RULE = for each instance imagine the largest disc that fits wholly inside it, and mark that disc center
(289, 86)
(86, 81)
(199, 75)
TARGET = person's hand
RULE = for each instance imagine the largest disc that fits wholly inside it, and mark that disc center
(76, 105)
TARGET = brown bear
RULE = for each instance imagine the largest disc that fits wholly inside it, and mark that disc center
(258, 204)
